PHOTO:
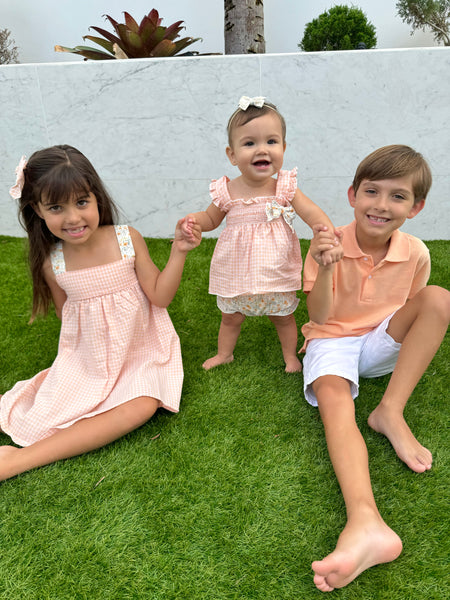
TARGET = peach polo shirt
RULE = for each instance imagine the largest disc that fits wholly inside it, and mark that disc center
(364, 294)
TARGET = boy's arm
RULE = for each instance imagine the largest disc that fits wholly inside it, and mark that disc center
(319, 300)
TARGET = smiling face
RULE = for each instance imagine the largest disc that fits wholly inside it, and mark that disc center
(381, 207)
(73, 221)
(257, 147)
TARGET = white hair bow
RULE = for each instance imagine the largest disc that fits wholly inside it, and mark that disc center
(275, 210)
(245, 102)
(16, 190)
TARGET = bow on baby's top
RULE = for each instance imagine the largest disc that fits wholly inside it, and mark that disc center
(245, 102)
(275, 210)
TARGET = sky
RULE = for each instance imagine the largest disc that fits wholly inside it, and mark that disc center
(38, 25)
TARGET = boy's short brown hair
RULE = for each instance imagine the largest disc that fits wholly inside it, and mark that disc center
(391, 162)
(241, 117)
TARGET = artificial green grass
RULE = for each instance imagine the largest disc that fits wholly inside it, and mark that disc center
(233, 497)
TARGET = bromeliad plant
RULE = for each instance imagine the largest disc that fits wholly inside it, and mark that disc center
(133, 40)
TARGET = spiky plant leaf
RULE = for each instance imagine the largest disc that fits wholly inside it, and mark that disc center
(173, 30)
(184, 43)
(107, 34)
(85, 51)
(164, 48)
(101, 42)
(131, 42)
(131, 23)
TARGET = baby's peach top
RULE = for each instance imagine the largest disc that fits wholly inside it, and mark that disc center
(364, 294)
(255, 255)
(114, 346)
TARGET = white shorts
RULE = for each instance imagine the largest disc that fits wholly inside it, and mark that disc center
(371, 355)
(277, 304)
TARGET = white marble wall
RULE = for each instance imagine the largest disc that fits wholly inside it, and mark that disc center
(155, 128)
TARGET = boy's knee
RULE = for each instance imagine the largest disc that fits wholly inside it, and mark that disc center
(437, 300)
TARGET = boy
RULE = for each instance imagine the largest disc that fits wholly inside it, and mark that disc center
(371, 314)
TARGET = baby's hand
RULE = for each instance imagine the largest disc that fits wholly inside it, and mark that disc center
(188, 234)
(335, 254)
(322, 243)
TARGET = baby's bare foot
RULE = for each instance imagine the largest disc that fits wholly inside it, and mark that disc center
(217, 360)
(361, 545)
(393, 425)
(293, 365)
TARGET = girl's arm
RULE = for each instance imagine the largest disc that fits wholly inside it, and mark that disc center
(312, 215)
(59, 296)
(208, 219)
(160, 286)
(309, 212)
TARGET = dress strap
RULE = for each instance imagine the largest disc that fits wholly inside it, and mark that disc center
(57, 258)
(124, 239)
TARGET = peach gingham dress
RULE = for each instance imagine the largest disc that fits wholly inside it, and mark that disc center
(254, 255)
(114, 346)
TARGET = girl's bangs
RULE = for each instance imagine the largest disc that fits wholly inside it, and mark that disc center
(62, 184)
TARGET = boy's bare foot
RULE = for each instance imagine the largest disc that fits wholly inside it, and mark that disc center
(217, 360)
(293, 365)
(393, 425)
(364, 542)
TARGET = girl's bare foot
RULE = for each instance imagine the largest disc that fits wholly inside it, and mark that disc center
(364, 542)
(7, 467)
(293, 365)
(393, 425)
(217, 360)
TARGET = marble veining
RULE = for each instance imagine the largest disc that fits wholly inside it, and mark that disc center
(155, 129)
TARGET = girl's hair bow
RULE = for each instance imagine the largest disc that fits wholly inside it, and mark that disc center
(245, 102)
(16, 190)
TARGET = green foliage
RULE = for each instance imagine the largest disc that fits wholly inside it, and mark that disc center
(8, 51)
(237, 495)
(147, 39)
(423, 14)
(340, 28)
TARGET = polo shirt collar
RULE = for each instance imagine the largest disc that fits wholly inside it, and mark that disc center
(398, 248)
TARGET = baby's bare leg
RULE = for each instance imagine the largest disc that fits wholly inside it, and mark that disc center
(83, 436)
(420, 326)
(287, 332)
(366, 540)
(229, 331)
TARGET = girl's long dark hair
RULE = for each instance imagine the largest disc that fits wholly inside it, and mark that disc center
(55, 173)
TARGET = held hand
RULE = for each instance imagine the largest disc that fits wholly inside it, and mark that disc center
(335, 254)
(188, 234)
(323, 242)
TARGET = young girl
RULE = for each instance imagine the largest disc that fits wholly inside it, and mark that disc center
(119, 356)
(256, 266)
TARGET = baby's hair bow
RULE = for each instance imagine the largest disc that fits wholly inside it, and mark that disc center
(275, 210)
(16, 190)
(245, 102)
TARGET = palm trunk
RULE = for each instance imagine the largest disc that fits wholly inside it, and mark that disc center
(244, 27)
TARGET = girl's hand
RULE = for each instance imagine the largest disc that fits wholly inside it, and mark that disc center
(323, 247)
(188, 234)
(335, 254)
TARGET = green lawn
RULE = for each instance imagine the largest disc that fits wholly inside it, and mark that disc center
(230, 499)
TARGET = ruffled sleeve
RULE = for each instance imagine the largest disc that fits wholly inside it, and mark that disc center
(218, 190)
(287, 184)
